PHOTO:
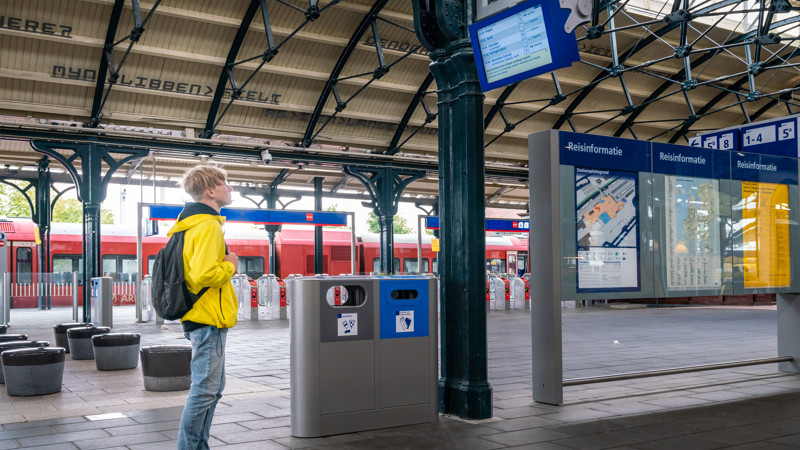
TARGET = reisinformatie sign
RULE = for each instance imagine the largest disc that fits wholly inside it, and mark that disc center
(607, 229)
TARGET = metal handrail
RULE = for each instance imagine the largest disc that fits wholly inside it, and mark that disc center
(674, 371)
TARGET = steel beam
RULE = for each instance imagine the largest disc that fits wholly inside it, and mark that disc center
(337, 70)
(236, 45)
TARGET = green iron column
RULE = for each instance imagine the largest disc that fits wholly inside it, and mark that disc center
(272, 201)
(319, 266)
(43, 218)
(91, 193)
(464, 389)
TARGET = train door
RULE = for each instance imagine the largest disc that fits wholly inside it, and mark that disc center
(24, 292)
(522, 263)
(511, 262)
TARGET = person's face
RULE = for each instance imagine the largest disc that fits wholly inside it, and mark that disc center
(221, 194)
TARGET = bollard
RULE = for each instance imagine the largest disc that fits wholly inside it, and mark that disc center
(75, 297)
(5, 311)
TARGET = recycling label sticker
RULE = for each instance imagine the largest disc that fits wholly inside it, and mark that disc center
(404, 322)
(347, 324)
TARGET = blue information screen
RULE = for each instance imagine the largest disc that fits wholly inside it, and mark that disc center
(522, 42)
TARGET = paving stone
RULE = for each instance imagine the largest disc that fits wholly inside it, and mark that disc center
(523, 437)
(8, 444)
(144, 438)
(143, 428)
(62, 438)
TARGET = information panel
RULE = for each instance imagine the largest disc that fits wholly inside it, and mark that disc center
(687, 211)
(692, 244)
(607, 230)
(765, 248)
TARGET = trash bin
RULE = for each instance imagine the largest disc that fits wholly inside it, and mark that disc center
(363, 353)
(102, 297)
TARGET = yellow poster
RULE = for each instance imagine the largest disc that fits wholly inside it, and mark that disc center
(765, 219)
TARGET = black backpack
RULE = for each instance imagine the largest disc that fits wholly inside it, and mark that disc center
(171, 297)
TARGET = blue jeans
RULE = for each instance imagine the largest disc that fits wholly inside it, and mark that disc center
(208, 381)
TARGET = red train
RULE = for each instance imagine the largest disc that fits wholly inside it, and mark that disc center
(294, 250)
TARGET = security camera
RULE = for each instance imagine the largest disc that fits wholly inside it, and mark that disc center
(266, 156)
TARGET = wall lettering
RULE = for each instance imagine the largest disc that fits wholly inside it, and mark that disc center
(156, 84)
(35, 26)
(402, 46)
(344, 121)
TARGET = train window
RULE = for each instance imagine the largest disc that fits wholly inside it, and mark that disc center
(120, 267)
(496, 265)
(253, 266)
(150, 261)
(436, 265)
(410, 265)
(64, 265)
(376, 265)
(24, 265)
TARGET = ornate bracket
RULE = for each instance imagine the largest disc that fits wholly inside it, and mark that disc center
(384, 185)
(90, 182)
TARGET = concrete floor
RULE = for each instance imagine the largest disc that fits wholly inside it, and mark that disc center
(749, 407)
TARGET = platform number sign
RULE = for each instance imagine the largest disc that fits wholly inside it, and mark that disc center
(778, 138)
(717, 141)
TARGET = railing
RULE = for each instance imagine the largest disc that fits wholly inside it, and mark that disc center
(31, 292)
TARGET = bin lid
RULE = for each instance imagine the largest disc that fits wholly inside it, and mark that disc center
(116, 339)
(86, 332)
(33, 356)
(62, 328)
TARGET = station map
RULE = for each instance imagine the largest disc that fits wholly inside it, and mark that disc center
(607, 229)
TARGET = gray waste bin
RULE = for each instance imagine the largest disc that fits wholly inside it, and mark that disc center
(102, 298)
(363, 353)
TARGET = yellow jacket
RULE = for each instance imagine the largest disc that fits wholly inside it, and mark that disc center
(203, 250)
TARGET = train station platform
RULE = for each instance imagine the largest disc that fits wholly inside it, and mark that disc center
(746, 407)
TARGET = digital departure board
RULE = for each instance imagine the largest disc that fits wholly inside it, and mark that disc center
(522, 42)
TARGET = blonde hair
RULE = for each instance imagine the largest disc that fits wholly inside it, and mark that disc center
(199, 178)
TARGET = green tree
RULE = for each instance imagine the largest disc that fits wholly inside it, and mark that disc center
(12, 203)
(334, 208)
(400, 224)
(66, 210)
(70, 210)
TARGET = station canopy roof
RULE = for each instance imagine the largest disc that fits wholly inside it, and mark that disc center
(326, 83)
